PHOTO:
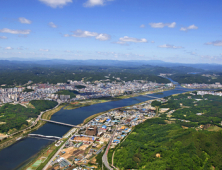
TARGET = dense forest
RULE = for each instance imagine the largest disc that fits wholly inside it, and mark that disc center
(157, 145)
(187, 106)
(58, 75)
(53, 71)
(175, 141)
(16, 116)
(20, 73)
(196, 78)
(210, 107)
(42, 105)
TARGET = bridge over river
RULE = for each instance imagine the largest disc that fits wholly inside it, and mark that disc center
(60, 123)
(42, 136)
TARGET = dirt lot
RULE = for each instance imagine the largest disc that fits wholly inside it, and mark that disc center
(78, 152)
(2, 135)
(69, 152)
(83, 147)
(83, 138)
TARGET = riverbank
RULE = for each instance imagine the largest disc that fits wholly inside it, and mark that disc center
(24, 132)
(120, 98)
(43, 157)
(47, 115)
(79, 104)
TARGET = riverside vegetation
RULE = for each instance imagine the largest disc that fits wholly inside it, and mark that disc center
(16, 116)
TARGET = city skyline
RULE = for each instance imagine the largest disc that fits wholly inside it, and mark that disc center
(172, 31)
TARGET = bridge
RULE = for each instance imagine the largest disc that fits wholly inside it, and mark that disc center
(152, 97)
(60, 123)
(42, 136)
(183, 89)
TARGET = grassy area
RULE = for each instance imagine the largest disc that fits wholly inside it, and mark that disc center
(214, 128)
(47, 115)
(72, 93)
(92, 117)
(79, 104)
(42, 158)
(50, 156)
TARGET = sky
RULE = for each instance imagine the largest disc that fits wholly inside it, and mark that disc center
(184, 31)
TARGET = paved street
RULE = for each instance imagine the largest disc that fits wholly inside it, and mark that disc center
(104, 158)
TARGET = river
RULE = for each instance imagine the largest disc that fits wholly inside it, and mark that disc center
(21, 152)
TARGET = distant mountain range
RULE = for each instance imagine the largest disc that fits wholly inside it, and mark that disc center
(117, 63)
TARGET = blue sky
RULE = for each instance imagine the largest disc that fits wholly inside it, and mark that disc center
(188, 31)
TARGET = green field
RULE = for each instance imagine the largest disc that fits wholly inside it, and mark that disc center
(72, 93)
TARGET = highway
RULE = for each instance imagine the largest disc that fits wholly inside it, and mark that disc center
(104, 158)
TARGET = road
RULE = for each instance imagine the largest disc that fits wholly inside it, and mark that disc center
(47, 165)
(104, 158)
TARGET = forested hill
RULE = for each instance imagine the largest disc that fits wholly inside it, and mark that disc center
(14, 117)
(158, 145)
(19, 73)
(197, 78)
(187, 136)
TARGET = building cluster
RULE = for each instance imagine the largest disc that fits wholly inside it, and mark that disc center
(202, 86)
(91, 90)
(209, 92)
(92, 137)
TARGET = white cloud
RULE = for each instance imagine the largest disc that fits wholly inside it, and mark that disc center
(8, 48)
(6, 30)
(169, 46)
(81, 33)
(84, 34)
(92, 3)
(51, 24)
(103, 37)
(24, 20)
(215, 43)
(191, 27)
(3, 37)
(130, 39)
(172, 25)
(43, 50)
(56, 3)
(142, 26)
(161, 25)
(152, 41)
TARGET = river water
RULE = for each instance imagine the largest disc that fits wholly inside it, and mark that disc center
(21, 152)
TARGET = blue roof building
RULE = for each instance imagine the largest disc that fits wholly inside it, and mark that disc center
(104, 126)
